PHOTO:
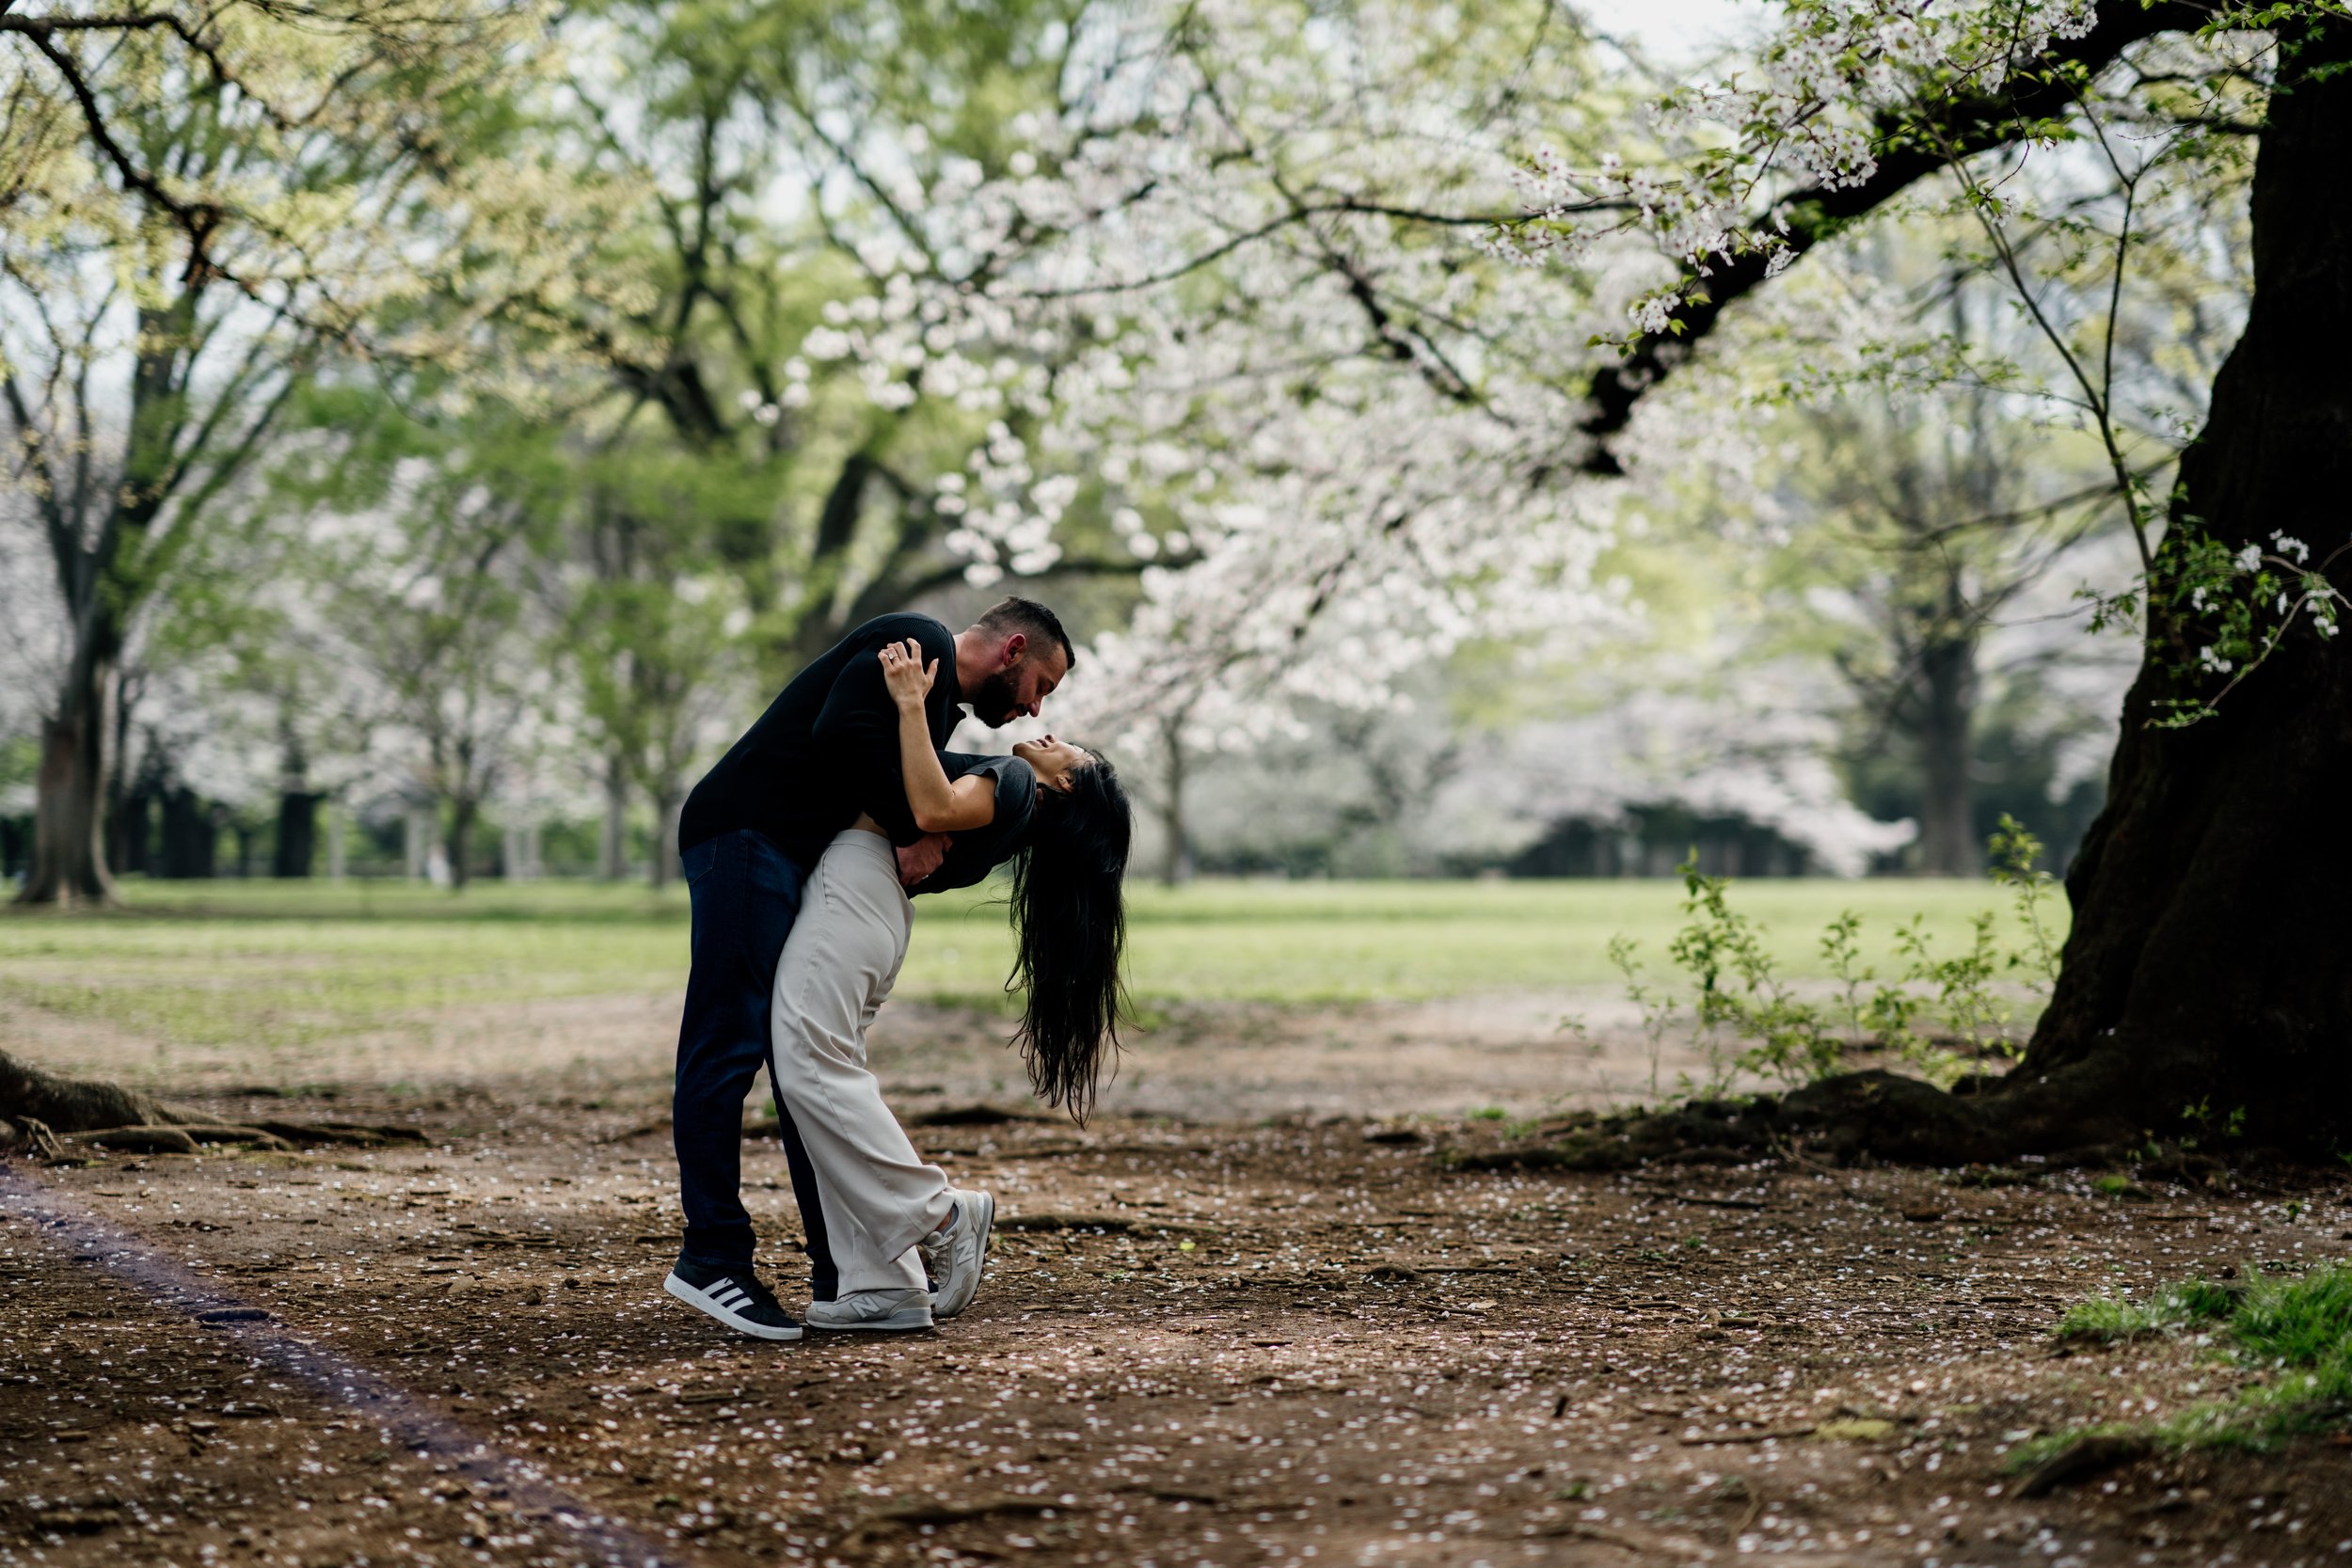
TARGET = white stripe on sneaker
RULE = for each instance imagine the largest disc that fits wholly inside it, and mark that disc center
(725, 1299)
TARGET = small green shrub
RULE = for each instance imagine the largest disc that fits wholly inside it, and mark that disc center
(1748, 1018)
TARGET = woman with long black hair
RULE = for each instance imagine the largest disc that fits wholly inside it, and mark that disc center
(881, 1218)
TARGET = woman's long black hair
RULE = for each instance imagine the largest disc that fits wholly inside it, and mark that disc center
(1070, 927)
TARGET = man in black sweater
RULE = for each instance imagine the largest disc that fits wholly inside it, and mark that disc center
(826, 749)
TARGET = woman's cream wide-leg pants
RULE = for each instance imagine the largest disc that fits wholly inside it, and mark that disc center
(874, 1197)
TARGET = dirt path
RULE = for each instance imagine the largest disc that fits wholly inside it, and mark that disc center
(1226, 1061)
(1225, 1345)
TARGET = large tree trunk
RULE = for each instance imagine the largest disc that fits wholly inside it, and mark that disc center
(2209, 969)
(68, 815)
(1947, 835)
(2206, 988)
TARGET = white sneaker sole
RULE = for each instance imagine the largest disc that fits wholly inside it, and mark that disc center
(901, 1321)
(981, 1216)
(702, 1303)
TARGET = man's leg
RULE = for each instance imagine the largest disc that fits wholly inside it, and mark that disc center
(824, 1264)
(745, 895)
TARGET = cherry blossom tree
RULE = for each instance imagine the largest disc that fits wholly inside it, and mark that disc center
(1225, 298)
(196, 200)
(1227, 259)
(2201, 964)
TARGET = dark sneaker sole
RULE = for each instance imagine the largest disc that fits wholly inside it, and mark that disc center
(705, 1304)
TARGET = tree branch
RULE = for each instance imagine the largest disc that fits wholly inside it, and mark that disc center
(2041, 90)
(197, 219)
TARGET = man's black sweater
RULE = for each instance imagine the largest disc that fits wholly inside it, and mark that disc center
(827, 749)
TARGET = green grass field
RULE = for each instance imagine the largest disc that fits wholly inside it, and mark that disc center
(267, 963)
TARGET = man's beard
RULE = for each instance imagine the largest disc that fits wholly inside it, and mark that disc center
(996, 703)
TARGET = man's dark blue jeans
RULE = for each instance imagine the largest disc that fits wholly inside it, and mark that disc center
(746, 892)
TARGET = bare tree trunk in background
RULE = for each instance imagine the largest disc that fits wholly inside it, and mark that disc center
(464, 809)
(68, 822)
(1177, 869)
(119, 853)
(416, 837)
(143, 808)
(667, 805)
(187, 836)
(298, 837)
(78, 754)
(612, 850)
(1948, 680)
(297, 834)
(1947, 655)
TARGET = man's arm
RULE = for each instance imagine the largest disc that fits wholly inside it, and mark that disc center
(919, 860)
(961, 865)
(856, 735)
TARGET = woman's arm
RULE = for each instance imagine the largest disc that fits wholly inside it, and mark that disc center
(939, 806)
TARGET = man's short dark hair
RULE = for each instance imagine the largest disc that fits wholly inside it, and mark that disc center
(1032, 620)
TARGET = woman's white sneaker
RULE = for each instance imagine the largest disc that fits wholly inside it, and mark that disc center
(957, 1257)
(884, 1311)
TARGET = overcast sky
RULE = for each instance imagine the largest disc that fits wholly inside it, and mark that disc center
(1678, 32)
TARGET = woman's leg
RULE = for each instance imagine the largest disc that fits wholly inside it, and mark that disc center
(877, 1196)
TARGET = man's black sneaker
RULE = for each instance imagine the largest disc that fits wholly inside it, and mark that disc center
(735, 1297)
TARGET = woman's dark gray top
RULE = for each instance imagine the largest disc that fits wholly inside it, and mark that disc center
(973, 855)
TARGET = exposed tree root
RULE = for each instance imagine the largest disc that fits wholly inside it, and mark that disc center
(185, 1139)
(2082, 1460)
(1852, 1118)
(29, 1136)
(355, 1135)
(37, 1106)
(77, 1104)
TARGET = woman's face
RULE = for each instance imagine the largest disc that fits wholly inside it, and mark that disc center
(1052, 760)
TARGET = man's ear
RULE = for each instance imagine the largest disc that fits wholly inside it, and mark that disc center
(1015, 645)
